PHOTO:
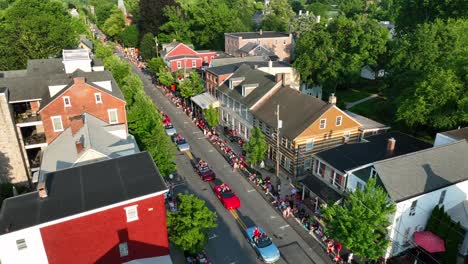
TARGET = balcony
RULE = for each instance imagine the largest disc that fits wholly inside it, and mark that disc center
(35, 140)
(27, 119)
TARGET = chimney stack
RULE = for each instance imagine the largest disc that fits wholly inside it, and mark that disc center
(284, 79)
(261, 32)
(79, 146)
(41, 187)
(278, 77)
(332, 99)
(391, 146)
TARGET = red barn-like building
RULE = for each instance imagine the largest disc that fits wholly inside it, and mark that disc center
(178, 56)
(105, 212)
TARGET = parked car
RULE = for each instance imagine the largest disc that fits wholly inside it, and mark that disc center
(264, 247)
(227, 196)
(170, 129)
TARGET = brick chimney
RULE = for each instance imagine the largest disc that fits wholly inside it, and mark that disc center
(79, 146)
(41, 187)
(278, 77)
(332, 99)
(79, 80)
(391, 142)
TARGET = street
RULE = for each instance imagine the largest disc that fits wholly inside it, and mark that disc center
(227, 242)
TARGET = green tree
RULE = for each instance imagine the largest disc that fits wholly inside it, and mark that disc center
(178, 26)
(132, 87)
(428, 75)
(278, 16)
(361, 222)
(119, 68)
(115, 24)
(152, 15)
(188, 227)
(211, 115)
(129, 36)
(155, 65)
(148, 47)
(102, 10)
(256, 147)
(34, 29)
(302, 24)
(165, 77)
(102, 50)
(191, 86)
(296, 6)
(334, 55)
(319, 9)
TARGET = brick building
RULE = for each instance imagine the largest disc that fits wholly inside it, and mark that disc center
(44, 99)
(243, 43)
(179, 56)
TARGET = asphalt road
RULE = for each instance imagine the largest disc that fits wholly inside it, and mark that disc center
(227, 243)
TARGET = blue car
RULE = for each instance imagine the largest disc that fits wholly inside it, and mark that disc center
(264, 247)
(181, 143)
(170, 130)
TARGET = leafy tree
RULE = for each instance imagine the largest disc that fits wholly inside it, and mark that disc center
(296, 6)
(319, 9)
(165, 77)
(101, 50)
(152, 15)
(148, 47)
(352, 7)
(256, 147)
(333, 55)
(102, 10)
(191, 86)
(278, 16)
(132, 87)
(155, 65)
(428, 75)
(119, 68)
(115, 24)
(361, 222)
(414, 12)
(302, 24)
(129, 36)
(178, 26)
(34, 29)
(211, 115)
(188, 227)
(78, 26)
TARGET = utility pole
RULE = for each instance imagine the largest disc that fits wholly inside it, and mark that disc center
(279, 125)
(156, 42)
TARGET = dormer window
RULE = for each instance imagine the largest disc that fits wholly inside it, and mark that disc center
(248, 88)
(66, 101)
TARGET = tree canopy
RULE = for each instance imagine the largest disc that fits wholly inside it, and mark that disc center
(191, 86)
(129, 36)
(152, 15)
(211, 115)
(165, 77)
(361, 222)
(256, 147)
(148, 47)
(34, 29)
(155, 65)
(188, 227)
(333, 54)
(278, 16)
(428, 75)
(115, 24)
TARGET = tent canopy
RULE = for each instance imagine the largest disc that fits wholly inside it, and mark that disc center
(204, 100)
(429, 241)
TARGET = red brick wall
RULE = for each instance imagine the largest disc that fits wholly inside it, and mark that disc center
(82, 100)
(95, 238)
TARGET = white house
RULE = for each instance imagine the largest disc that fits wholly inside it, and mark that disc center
(417, 182)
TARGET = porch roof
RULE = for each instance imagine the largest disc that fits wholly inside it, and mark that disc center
(321, 189)
(204, 100)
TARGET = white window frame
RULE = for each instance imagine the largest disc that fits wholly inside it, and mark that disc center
(123, 249)
(309, 144)
(129, 211)
(340, 118)
(194, 63)
(53, 124)
(65, 98)
(324, 123)
(373, 173)
(179, 65)
(21, 244)
(96, 96)
(109, 111)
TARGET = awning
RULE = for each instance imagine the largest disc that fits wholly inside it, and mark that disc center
(429, 241)
(204, 100)
(321, 189)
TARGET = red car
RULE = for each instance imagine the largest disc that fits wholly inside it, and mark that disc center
(227, 196)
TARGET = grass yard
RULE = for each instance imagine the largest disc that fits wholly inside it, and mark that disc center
(351, 95)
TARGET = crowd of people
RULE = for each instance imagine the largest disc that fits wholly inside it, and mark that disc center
(199, 258)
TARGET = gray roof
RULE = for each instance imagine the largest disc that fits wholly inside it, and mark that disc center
(424, 171)
(84, 188)
(367, 123)
(183, 57)
(95, 135)
(349, 156)
(255, 35)
(231, 68)
(459, 213)
(33, 83)
(457, 134)
(248, 47)
(264, 80)
(170, 46)
(318, 187)
(306, 110)
(225, 60)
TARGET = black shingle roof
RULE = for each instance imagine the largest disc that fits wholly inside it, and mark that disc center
(353, 155)
(458, 134)
(83, 188)
(230, 68)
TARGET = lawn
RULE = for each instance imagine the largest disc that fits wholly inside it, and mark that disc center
(351, 95)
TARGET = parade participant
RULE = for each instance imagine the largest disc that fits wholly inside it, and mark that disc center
(256, 232)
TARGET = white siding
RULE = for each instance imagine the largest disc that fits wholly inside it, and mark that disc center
(34, 253)
(353, 181)
(442, 140)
